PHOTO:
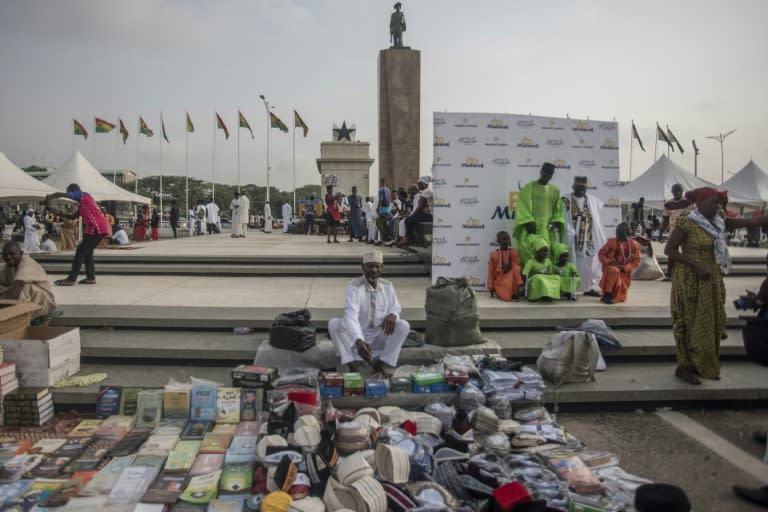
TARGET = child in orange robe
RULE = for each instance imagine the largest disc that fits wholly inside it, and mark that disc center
(504, 277)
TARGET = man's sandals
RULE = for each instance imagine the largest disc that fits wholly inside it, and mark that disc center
(67, 282)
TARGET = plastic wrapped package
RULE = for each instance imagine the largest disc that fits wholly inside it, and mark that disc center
(471, 398)
(460, 363)
(572, 469)
(598, 458)
(298, 377)
(536, 415)
(445, 413)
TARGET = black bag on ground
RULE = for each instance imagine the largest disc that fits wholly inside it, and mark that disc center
(293, 331)
(452, 318)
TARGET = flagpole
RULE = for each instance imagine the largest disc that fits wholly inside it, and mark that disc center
(117, 157)
(238, 150)
(160, 139)
(186, 168)
(294, 163)
(138, 142)
(656, 144)
(93, 156)
(631, 146)
(213, 178)
(669, 144)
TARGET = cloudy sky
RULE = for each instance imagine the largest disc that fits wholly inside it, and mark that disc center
(698, 66)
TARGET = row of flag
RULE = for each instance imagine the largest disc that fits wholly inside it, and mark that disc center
(667, 137)
(103, 126)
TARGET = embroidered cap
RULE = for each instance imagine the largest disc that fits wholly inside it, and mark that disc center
(373, 257)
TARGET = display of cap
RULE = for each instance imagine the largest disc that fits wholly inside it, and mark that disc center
(392, 463)
(369, 495)
(508, 496)
(424, 492)
(301, 487)
(285, 473)
(339, 496)
(485, 420)
(497, 444)
(398, 499)
(369, 422)
(307, 420)
(308, 504)
(276, 453)
(277, 501)
(370, 411)
(353, 468)
(326, 450)
(308, 437)
(445, 454)
(426, 424)
(351, 437)
(273, 440)
(370, 457)
(386, 412)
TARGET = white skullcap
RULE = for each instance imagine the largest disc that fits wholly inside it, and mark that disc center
(30, 210)
(373, 257)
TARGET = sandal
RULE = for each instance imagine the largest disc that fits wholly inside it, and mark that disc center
(64, 282)
(87, 281)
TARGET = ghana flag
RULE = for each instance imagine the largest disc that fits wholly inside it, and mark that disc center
(80, 129)
(221, 126)
(298, 122)
(103, 126)
(636, 136)
(275, 122)
(660, 135)
(190, 126)
(144, 129)
(123, 130)
(162, 129)
(244, 122)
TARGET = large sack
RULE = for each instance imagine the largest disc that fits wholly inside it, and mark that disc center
(569, 356)
(452, 318)
(293, 331)
(648, 269)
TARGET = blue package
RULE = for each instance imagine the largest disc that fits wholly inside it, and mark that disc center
(443, 387)
(375, 388)
(422, 388)
(332, 392)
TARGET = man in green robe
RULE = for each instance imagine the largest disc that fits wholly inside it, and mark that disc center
(539, 211)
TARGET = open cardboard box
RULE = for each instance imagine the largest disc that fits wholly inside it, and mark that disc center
(16, 315)
(43, 355)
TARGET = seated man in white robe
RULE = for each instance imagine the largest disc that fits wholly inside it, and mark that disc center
(371, 330)
(23, 279)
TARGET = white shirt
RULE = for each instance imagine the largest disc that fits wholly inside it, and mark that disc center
(245, 207)
(234, 205)
(121, 237)
(29, 223)
(211, 213)
(287, 212)
(358, 316)
(48, 246)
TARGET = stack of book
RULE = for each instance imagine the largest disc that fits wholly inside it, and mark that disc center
(28, 407)
(8, 380)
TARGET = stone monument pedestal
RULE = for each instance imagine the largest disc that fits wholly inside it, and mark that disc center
(399, 116)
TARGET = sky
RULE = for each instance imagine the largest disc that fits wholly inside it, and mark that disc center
(698, 66)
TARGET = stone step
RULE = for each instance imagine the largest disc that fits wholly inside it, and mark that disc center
(633, 384)
(520, 315)
(224, 347)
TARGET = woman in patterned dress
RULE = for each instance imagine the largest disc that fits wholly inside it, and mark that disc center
(698, 254)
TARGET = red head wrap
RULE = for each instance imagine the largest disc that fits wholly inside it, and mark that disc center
(700, 195)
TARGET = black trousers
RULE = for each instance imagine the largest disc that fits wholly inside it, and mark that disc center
(173, 227)
(84, 254)
(410, 223)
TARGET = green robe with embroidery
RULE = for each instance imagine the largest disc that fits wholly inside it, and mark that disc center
(540, 204)
(569, 283)
(541, 285)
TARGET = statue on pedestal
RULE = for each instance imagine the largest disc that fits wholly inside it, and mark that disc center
(397, 26)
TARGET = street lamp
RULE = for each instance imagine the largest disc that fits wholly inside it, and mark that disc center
(720, 138)
(267, 208)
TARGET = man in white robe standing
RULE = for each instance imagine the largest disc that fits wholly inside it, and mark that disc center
(244, 210)
(212, 217)
(585, 234)
(371, 330)
(234, 206)
(31, 228)
(287, 215)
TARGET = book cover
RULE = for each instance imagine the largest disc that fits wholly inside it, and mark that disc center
(170, 427)
(176, 404)
(201, 488)
(207, 463)
(248, 429)
(118, 420)
(130, 443)
(105, 479)
(47, 446)
(241, 449)
(150, 408)
(150, 507)
(88, 461)
(51, 466)
(179, 462)
(251, 403)
(188, 445)
(152, 461)
(40, 489)
(203, 402)
(11, 491)
(129, 401)
(74, 446)
(196, 429)
(108, 400)
(85, 504)
(236, 479)
(166, 489)
(221, 505)
(158, 445)
(225, 428)
(132, 484)
(228, 405)
(19, 465)
(86, 428)
(215, 442)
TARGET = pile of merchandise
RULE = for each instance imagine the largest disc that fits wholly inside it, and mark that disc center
(275, 445)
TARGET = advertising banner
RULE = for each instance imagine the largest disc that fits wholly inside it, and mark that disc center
(481, 161)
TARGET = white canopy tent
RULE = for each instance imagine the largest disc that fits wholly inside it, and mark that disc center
(750, 183)
(79, 170)
(655, 184)
(18, 186)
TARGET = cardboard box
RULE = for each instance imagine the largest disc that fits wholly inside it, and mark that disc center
(43, 355)
(15, 316)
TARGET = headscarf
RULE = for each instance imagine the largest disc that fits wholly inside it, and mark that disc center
(700, 195)
(536, 243)
(558, 249)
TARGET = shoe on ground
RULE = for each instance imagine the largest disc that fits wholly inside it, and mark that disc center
(591, 293)
(758, 496)
(607, 299)
(687, 375)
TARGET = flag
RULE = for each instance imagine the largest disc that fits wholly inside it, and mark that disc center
(635, 135)
(298, 122)
(162, 129)
(144, 129)
(123, 131)
(244, 122)
(103, 126)
(80, 129)
(673, 139)
(695, 147)
(275, 122)
(190, 126)
(663, 136)
(221, 126)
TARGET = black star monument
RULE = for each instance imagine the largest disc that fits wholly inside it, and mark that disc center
(343, 132)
